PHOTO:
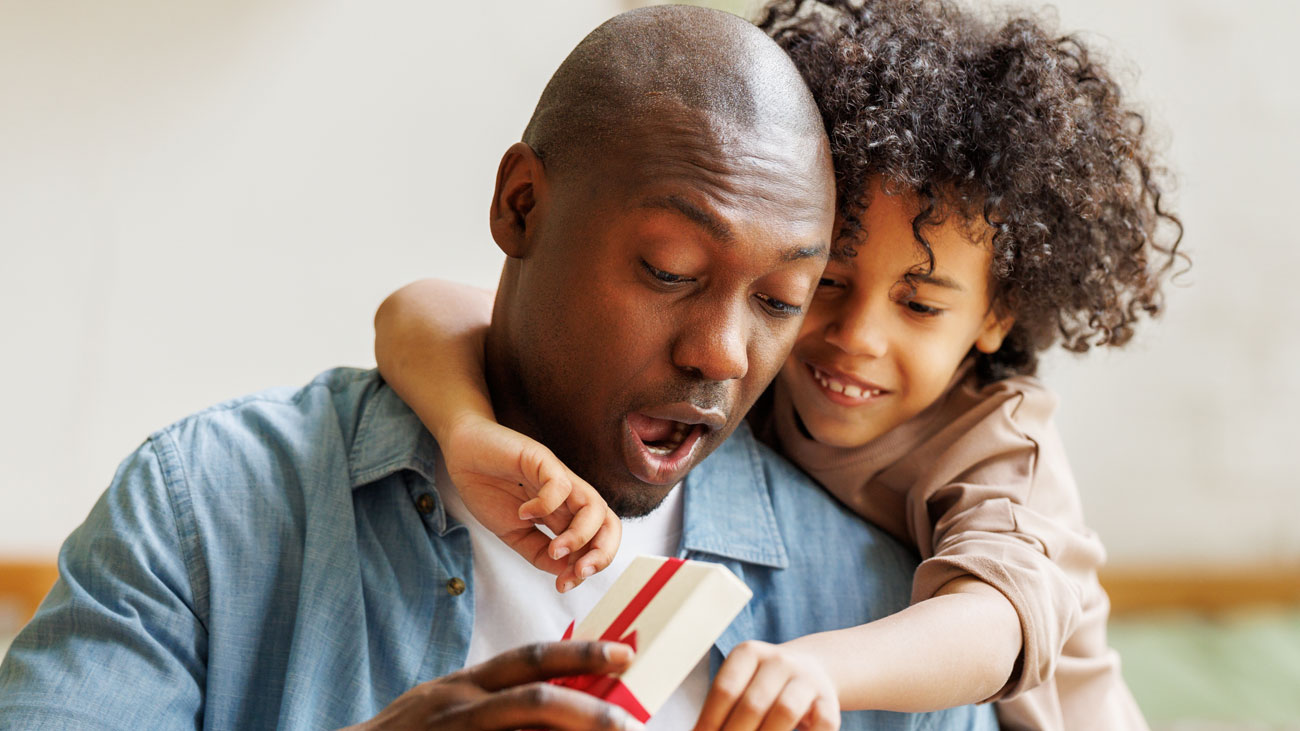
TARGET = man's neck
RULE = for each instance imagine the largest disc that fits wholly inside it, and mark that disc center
(501, 372)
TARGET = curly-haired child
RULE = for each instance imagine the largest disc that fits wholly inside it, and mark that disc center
(996, 195)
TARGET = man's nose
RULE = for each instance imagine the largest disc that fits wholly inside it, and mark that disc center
(858, 329)
(715, 344)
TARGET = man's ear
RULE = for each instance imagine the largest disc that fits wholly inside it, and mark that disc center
(994, 330)
(520, 192)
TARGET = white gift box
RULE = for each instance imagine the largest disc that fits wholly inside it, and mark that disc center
(671, 611)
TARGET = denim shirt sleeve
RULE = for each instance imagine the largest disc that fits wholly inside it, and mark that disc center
(119, 642)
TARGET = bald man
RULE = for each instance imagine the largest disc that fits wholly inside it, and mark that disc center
(299, 558)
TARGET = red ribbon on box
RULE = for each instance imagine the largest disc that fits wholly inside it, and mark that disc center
(608, 687)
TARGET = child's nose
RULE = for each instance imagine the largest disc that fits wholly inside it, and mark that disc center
(857, 330)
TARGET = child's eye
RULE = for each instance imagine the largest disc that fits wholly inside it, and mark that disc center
(828, 282)
(921, 309)
(663, 276)
(777, 307)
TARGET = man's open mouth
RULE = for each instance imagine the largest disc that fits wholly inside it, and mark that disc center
(660, 449)
(663, 437)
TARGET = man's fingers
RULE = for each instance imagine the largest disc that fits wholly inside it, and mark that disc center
(546, 660)
(538, 705)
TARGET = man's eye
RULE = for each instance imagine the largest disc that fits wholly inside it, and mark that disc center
(663, 276)
(779, 308)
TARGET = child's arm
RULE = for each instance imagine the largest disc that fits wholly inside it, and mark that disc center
(429, 346)
(956, 648)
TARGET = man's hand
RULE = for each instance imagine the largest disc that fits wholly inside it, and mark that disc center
(509, 482)
(509, 692)
(770, 688)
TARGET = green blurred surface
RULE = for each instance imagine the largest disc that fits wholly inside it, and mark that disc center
(1233, 669)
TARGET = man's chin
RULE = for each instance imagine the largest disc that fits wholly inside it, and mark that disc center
(636, 500)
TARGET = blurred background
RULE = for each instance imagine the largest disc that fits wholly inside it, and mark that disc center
(203, 199)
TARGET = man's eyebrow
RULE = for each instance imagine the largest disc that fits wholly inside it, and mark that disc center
(937, 280)
(717, 228)
(820, 251)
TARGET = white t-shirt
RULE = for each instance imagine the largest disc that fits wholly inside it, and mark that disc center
(516, 604)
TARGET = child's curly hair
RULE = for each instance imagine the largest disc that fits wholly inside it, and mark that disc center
(1002, 123)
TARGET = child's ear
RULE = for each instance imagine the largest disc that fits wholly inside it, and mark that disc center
(994, 330)
(520, 194)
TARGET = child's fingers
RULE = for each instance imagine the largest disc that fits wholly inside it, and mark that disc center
(535, 509)
(568, 578)
(553, 493)
(534, 546)
(546, 475)
(759, 698)
(823, 716)
(581, 529)
(602, 547)
(728, 686)
(792, 704)
(595, 557)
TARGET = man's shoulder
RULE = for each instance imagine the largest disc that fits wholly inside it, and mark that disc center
(339, 393)
(343, 428)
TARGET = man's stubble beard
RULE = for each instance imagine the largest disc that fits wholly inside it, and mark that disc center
(529, 415)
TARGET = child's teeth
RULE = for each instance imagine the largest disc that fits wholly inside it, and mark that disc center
(852, 391)
(837, 387)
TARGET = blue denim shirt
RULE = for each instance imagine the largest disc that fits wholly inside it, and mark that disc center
(283, 560)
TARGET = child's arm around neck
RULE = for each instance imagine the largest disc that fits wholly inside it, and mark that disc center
(429, 339)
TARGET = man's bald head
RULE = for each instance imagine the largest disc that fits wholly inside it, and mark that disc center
(661, 59)
(666, 219)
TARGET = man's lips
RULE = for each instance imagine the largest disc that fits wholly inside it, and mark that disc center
(843, 388)
(687, 413)
(661, 443)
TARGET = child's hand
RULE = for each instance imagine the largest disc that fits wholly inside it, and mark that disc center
(770, 688)
(509, 482)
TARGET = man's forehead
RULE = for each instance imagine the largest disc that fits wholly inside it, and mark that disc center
(671, 168)
(721, 230)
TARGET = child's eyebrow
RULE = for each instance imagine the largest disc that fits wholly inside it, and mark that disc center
(937, 280)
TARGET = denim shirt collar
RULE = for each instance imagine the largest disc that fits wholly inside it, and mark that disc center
(727, 504)
(390, 438)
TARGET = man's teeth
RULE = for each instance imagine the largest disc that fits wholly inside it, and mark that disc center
(848, 389)
(674, 440)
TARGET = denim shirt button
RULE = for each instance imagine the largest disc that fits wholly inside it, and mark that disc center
(455, 586)
(424, 503)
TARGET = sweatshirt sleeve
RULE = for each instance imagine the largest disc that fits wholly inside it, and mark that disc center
(996, 501)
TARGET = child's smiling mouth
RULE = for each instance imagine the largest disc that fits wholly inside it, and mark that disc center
(842, 388)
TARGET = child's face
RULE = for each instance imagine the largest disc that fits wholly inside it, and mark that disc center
(872, 354)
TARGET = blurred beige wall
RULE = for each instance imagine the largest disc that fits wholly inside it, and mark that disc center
(202, 199)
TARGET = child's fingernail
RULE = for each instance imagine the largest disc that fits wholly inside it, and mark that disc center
(559, 553)
(566, 586)
(586, 571)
